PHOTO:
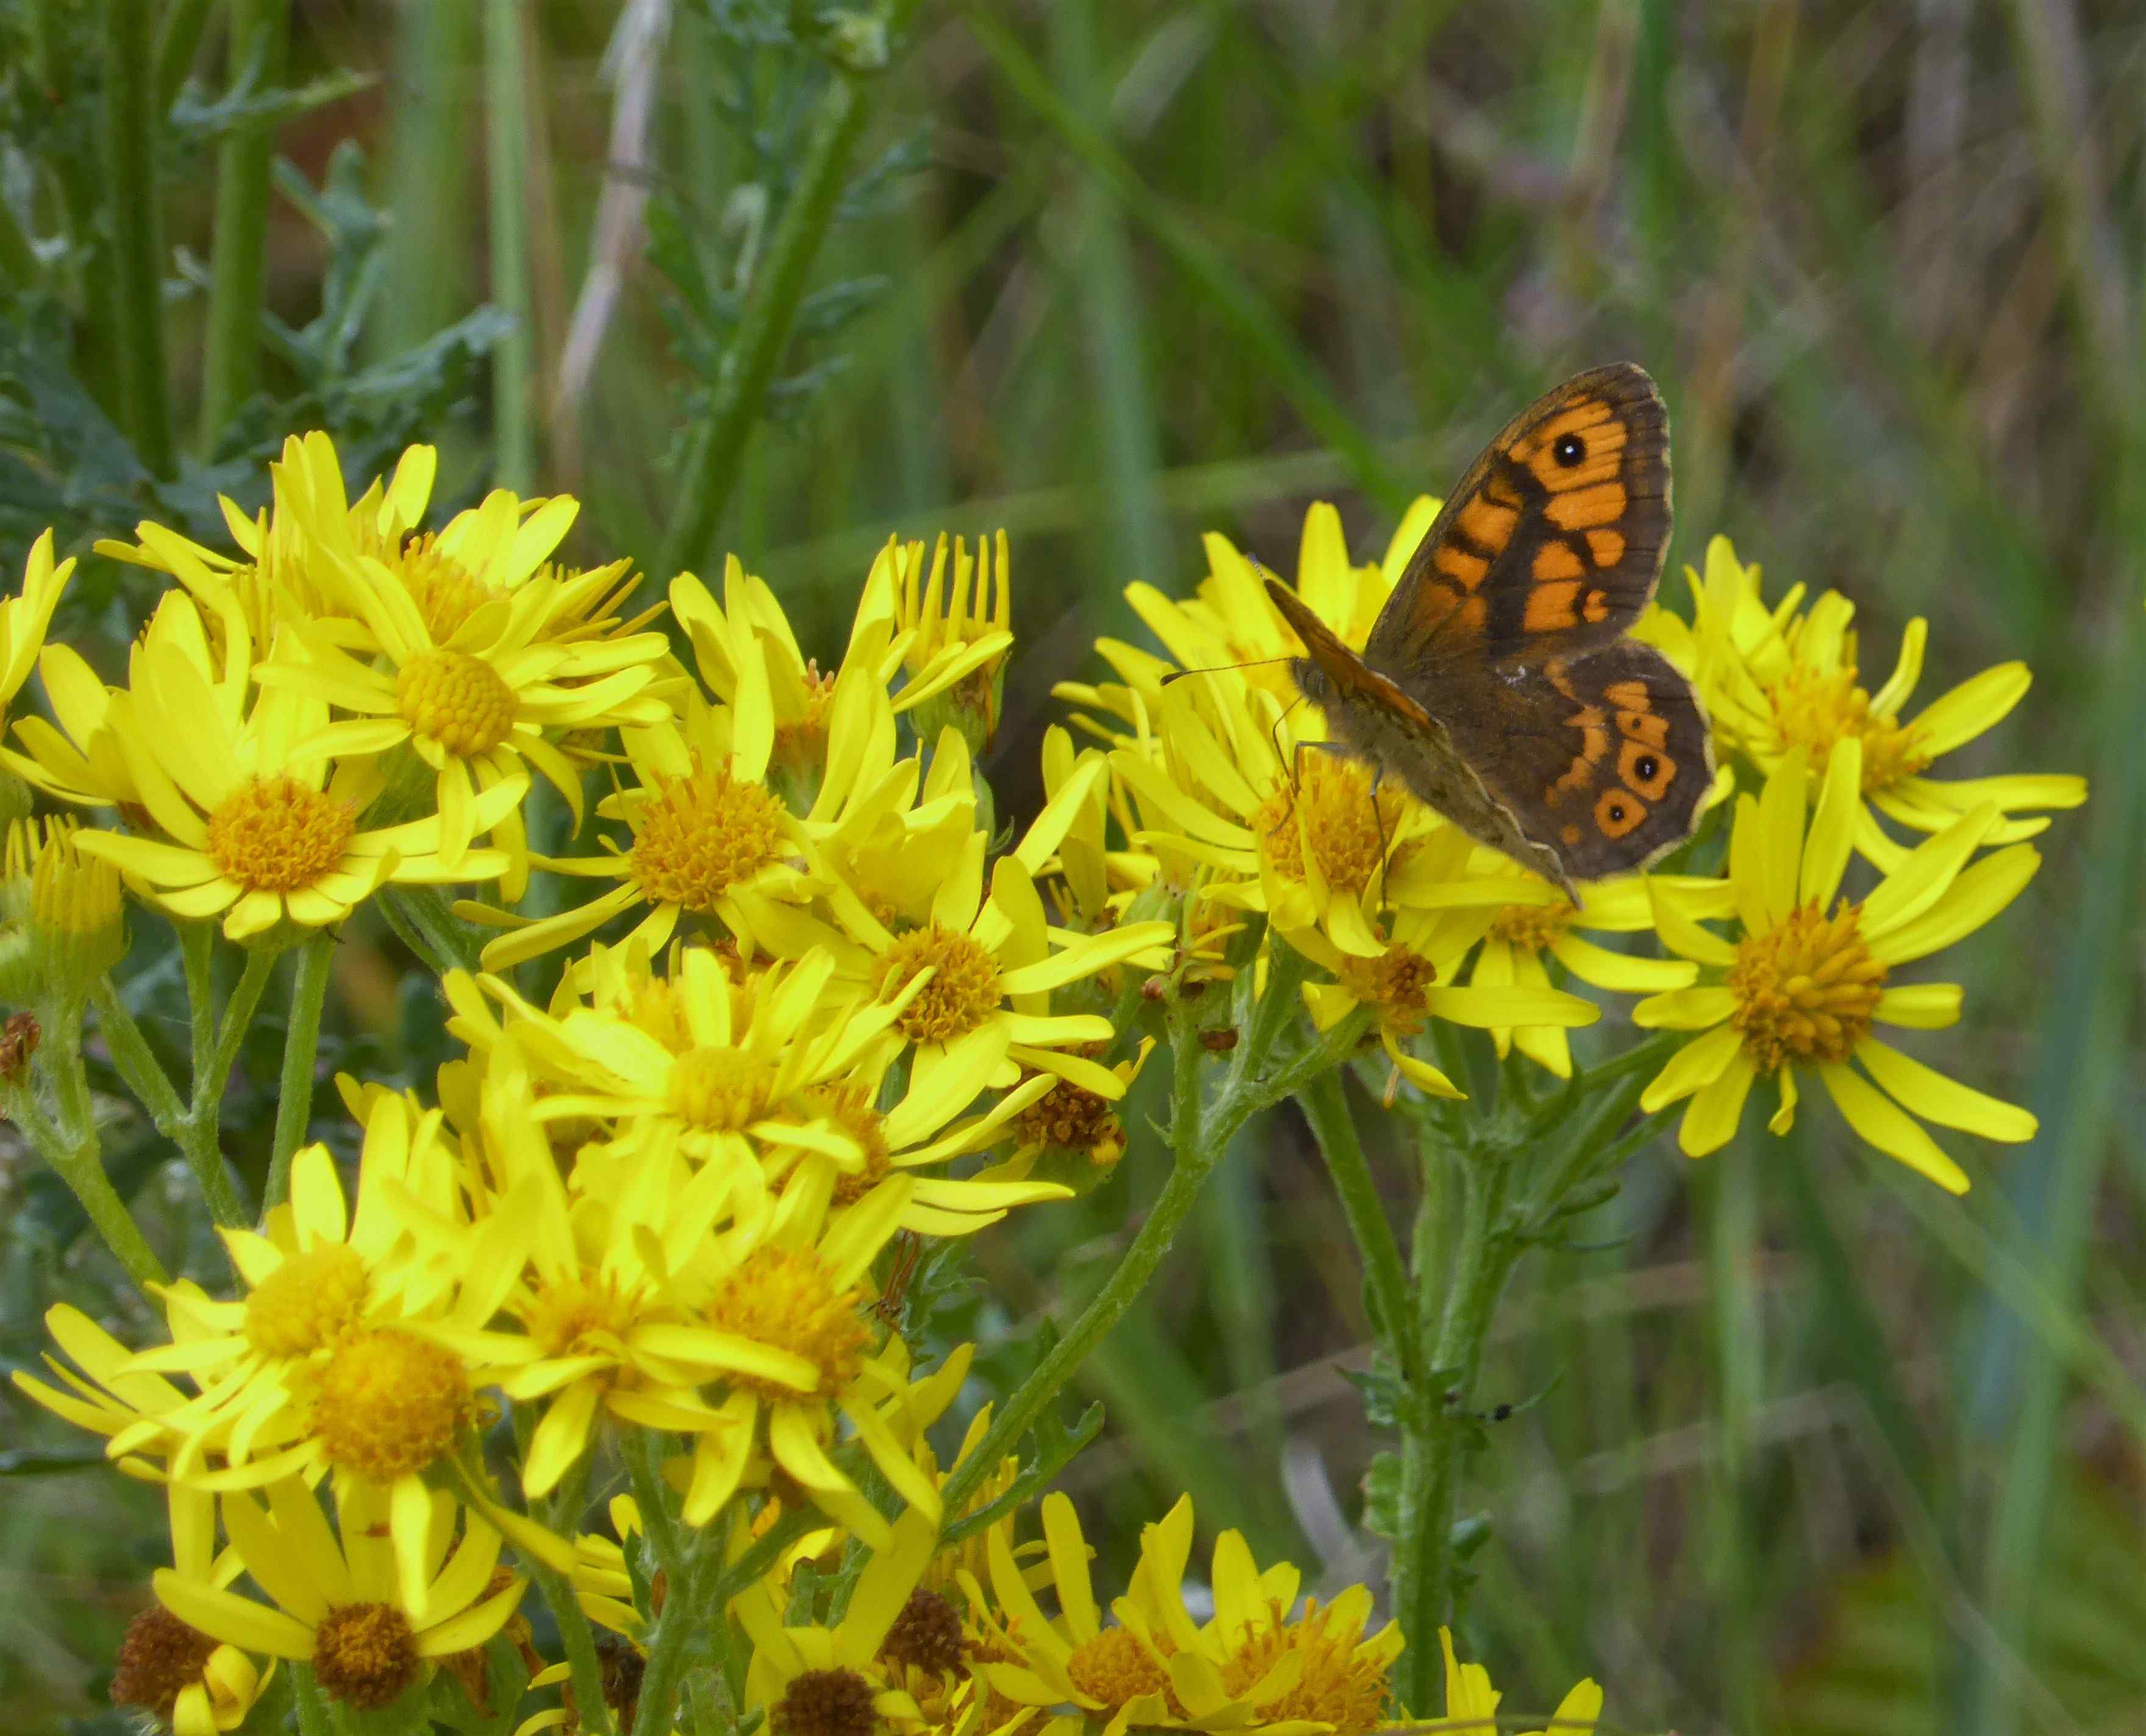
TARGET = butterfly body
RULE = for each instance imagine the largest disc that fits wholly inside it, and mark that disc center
(1497, 683)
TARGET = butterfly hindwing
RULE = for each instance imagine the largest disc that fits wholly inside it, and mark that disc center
(1553, 542)
(1603, 758)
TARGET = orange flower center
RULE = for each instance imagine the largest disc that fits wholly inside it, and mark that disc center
(699, 834)
(720, 1088)
(850, 1108)
(1334, 1686)
(1816, 708)
(1806, 991)
(160, 1657)
(276, 834)
(458, 700)
(365, 1655)
(1334, 813)
(447, 592)
(387, 1403)
(824, 1703)
(307, 1302)
(785, 1297)
(1115, 1668)
(962, 994)
(1395, 983)
(1532, 927)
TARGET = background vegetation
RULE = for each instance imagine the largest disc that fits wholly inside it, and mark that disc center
(1821, 1451)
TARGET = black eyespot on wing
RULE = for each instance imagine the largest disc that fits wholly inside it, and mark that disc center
(1570, 451)
(1646, 765)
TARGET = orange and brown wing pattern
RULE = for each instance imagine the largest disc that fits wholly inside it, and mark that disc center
(1553, 542)
(1603, 758)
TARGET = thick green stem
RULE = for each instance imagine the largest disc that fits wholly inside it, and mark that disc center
(713, 460)
(130, 210)
(301, 1046)
(669, 1648)
(138, 1064)
(1325, 1105)
(1434, 1435)
(238, 268)
(506, 85)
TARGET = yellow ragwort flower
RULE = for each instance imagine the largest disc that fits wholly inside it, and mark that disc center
(340, 1606)
(1777, 679)
(1806, 975)
(257, 828)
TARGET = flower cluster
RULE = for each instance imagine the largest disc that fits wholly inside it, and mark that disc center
(659, 1205)
(780, 1014)
(1230, 793)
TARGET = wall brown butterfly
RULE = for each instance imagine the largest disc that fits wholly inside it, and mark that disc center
(1497, 683)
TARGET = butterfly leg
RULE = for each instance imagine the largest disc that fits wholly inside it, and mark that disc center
(1386, 844)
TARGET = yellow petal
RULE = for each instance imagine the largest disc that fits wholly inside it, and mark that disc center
(1881, 1121)
(1930, 1095)
(1977, 704)
(1832, 836)
(1698, 1063)
(1717, 1106)
(237, 1621)
(1979, 894)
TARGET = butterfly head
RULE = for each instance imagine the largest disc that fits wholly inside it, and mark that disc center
(1312, 681)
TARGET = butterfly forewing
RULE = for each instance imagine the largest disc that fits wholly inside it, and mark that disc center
(1497, 683)
(1553, 542)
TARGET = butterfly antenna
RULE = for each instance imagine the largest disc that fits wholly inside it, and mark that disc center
(1179, 674)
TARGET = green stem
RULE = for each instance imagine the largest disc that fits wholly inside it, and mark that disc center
(301, 1046)
(580, 1641)
(1435, 1435)
(671, 1645)
(178, 37)
(1200, 1133)
(238, 269)
(710, 471)
(138, 1064)
(130, 209)
(767, 1548)
(645, 1467)
(216, 1047)
(1732, 1212)
(1325, 1106)
(197, 957)
(76, 1158)
(506, 93)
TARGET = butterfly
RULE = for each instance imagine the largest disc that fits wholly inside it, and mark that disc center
(1497, 683)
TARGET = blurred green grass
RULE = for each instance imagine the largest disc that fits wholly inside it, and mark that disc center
(1818, 1452)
